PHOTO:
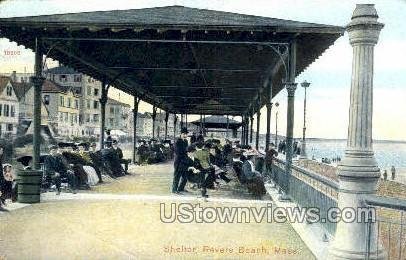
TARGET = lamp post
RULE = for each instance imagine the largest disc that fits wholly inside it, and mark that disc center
(276, 124)
(303, 154)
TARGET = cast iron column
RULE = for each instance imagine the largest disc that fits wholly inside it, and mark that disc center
(135, 116)
(153, 120)
(175, 122)
(268, 116)
(103, 102)
(358, 172)
(166, 124)
(38, 80)
(258, 124)
(291, 88)
(228, 125)
(251, 126)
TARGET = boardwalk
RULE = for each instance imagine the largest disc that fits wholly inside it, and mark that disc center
(121, 220)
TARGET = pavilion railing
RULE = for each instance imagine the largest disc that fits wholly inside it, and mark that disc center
(390, 224)
(308, 189)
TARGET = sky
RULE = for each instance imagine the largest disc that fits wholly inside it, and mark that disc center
(330, 75)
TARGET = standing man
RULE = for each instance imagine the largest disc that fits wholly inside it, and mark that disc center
(393, 172)
(180, 155)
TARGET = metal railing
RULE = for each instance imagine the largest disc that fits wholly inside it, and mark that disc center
(308, 189)
(390, 227)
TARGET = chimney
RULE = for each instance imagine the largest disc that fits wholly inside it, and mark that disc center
(14, 76)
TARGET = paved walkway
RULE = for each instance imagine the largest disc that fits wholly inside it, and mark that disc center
(121, 220)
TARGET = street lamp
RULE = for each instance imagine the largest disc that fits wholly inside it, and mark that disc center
(276, 124)
(303, 154)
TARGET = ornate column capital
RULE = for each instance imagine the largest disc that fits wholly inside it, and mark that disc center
(291, 88)
(364, 27)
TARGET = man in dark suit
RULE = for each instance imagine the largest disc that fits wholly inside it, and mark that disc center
(120, 156)
(180, 155)
(56, 168)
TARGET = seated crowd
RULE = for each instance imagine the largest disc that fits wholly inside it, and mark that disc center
(205, 163)
(154, 151)
(80, 166)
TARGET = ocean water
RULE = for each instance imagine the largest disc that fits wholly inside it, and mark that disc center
(386, 153)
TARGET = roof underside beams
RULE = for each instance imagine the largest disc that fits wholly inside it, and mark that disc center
(196, 71)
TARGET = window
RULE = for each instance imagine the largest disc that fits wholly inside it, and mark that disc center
(6, 110)
(111, 121)
(63, 78)
(71, 118)
(89, 91)
(10, 127)
(66, 117)
(13, 111)
(69, 102)
(96, 92)
(46, 99)
(95, 104)
(61, 101)
(77, 78)
(9, 91)
(95, 118)
(60, 117)
(87, 118)
(111, 110)
(76, 104)
(1, 106)
(88, 103)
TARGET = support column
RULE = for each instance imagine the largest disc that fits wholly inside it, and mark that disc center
(166, 124)
(103, 102)
(204, 125)
(153, 120)
(135, 116)
(228, 126)
(358, 172)
(258, 124)
(38, 81)
(268, 117)
(201, 124)
(251, 126)
(291, 88)
(242, 129)
(175, 122)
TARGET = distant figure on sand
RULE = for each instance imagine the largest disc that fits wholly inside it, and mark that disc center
(385, 175)
(393, 171)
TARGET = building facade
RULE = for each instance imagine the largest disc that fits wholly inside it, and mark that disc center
(9, 108)
(63, 104)
(88, 90)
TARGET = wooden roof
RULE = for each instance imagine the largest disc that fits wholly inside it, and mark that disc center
(180, 59)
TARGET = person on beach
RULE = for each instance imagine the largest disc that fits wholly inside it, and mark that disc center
(180, 156)
(393, 172)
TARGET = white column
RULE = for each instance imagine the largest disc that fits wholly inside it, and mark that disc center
(358, 172)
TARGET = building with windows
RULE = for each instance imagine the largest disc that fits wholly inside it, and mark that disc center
(117, 114)
(63, 104)
(9, 108)
(89, 102)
